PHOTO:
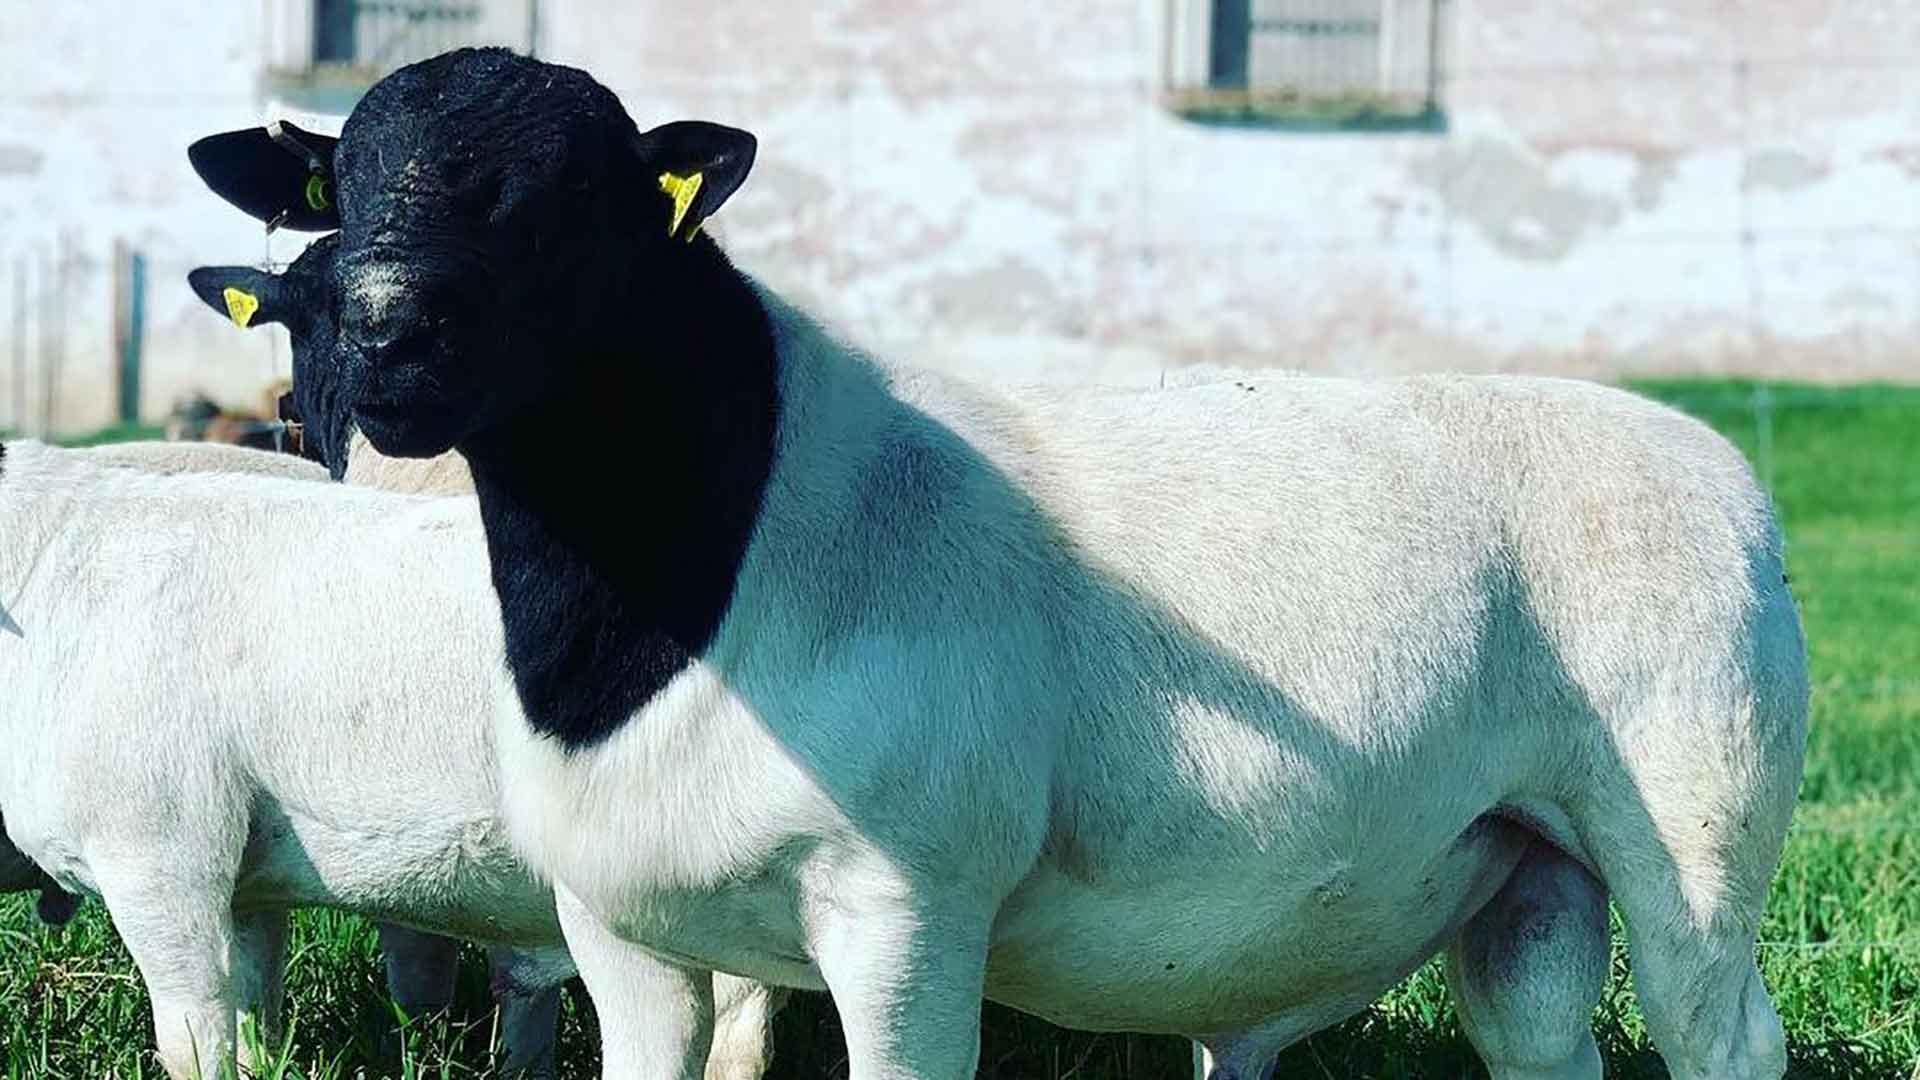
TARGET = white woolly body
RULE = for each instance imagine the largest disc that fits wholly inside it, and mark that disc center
(284, 685)
(1208, 709)
(169, 458)
(239, 619)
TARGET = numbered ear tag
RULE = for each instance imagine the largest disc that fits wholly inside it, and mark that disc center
(241, 305)
(682, 190)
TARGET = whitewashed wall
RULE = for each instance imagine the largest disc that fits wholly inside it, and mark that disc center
(1708, 186)
(97, 105)
(1711, 186)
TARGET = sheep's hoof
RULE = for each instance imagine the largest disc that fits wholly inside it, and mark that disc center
(57, 906)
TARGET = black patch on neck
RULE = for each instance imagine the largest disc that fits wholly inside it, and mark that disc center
(618, 508)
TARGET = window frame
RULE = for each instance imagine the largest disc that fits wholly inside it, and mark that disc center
(307, 60)
(1210, 75)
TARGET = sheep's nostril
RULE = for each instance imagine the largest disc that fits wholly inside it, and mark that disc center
(380, 306)
(373, 333)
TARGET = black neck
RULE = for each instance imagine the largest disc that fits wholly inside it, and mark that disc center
(618, 508)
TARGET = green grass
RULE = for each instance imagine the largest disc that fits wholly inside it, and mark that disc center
(1843, 923)
(115, 433)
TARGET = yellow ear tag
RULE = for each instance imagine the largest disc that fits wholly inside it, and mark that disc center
(240, 305)
(682, 189)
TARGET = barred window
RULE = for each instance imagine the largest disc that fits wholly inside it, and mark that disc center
(354, 42)
(1332, 63)
(384, 34)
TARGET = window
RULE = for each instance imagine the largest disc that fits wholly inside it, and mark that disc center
(1338, 64)
(351, 43)
(384, 34)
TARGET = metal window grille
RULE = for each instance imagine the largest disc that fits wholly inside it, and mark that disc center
(383, 34)
(1326, 58)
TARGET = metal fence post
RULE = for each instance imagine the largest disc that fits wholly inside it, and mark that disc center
(1763, 434)
(17, 418)
(130, 308)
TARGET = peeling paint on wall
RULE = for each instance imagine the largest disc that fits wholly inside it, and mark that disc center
(1905, 157)
(1007, 296)
(1506, 193)
(1781, 170)
(18, 160)
(1655, 171)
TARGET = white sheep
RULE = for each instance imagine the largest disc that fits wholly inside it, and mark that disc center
(420, 967)
(1208, 711)
(204, 646)
(175, 458)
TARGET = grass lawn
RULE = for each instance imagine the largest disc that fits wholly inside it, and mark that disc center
(1842, 934)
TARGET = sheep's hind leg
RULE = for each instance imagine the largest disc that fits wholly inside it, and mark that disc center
(743, 1028)
(1706, 1006)
(421, 972)
(526, 984)
(420, 969)
(527, 1024)
(1688, 849)
(182, 937)
(1529, 967)
(259, 982)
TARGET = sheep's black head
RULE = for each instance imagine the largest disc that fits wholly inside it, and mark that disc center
(497, 215)
(303, 299)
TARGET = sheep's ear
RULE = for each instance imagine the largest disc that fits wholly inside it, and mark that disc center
(697, 165)
(279, 174)
(247, 296)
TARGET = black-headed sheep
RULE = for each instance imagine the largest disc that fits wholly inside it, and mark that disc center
(1205, 711)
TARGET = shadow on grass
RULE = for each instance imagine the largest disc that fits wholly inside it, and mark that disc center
(1377, 1044)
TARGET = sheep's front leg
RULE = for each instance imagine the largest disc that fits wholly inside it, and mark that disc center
(259, 983)
(907, 977)
(182, 937)
(656, 1019)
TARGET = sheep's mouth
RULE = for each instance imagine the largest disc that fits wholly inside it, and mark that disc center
(400, 429)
